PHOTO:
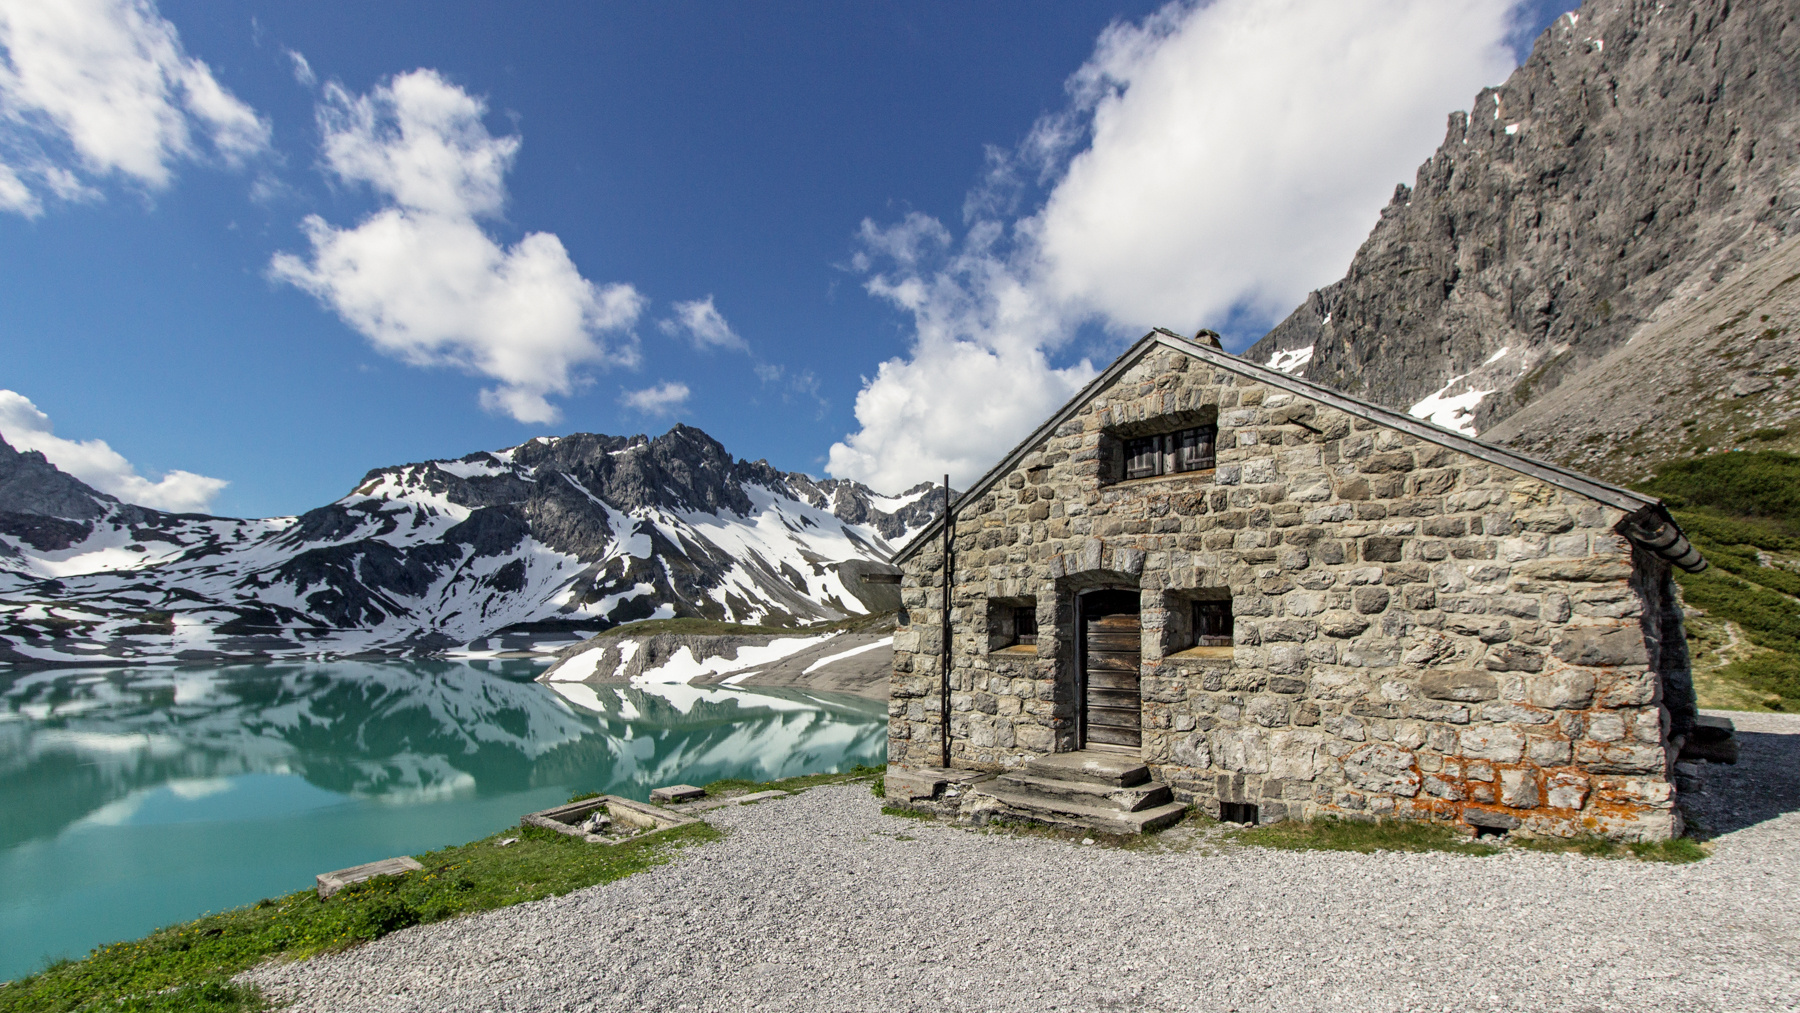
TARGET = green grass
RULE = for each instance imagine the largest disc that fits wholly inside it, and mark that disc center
(1331, 834)
(1678, 851)
(800, 783)
(189, 966)
(1740, 509)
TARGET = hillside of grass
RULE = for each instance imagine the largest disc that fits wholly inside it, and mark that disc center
(1743, 512)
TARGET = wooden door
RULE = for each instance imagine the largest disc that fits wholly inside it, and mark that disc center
(1112, 661)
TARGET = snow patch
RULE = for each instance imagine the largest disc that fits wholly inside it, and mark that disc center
(1452, 411)
(682, 668)
(1290, 361)
(471, 469)
(851, 653)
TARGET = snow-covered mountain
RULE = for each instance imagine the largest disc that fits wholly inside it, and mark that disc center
(540, 544)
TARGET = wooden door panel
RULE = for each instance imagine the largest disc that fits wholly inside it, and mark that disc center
(1114, 661)
(1104, 736)
(1114, 699)
(1101, 679)
(1111, 670)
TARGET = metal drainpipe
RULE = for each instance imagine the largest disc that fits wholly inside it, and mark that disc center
(944, 662)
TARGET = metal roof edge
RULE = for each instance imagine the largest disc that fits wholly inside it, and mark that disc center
(1554, 474)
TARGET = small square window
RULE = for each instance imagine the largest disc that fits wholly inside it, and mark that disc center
(1025, 625)
(1212, 624)
(1187, 450)
(1012, 624)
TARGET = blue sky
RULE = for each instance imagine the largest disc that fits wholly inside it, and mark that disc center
(918, 225)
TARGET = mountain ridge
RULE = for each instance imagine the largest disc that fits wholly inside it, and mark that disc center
(541, 543)
(1641, 156)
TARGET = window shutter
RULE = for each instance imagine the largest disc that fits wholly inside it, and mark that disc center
(1143, 457)
(1196, 448)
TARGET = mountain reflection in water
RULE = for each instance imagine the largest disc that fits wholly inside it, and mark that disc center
(136, 797)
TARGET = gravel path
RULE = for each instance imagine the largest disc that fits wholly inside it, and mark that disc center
(820, 902)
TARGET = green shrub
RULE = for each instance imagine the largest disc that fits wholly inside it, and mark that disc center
(1769, 671)
(1762, 483)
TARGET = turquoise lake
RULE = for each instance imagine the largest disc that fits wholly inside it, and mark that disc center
(138, 797)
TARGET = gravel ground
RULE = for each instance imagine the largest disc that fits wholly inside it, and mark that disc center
(820, 902)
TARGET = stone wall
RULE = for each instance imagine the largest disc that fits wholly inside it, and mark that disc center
(1418, 632)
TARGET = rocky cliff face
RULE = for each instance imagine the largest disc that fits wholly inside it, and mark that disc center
(548, 541)
(1646, 152)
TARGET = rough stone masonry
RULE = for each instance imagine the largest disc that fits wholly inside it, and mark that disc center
(1423, 625)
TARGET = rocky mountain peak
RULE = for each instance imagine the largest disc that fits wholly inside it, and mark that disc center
(30, 484)
(1643, 154)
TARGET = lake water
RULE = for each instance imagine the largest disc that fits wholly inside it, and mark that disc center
(131, 798)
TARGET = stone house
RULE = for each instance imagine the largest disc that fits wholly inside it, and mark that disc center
(1203, 581)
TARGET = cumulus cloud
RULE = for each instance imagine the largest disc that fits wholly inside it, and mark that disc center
(424, 281)
(1214, 163)
(978, 374)
(101, 88)
(665, 398)
(99, 465)
(701, 322)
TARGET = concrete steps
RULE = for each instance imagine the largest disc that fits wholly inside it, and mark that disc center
(1086, 790)
(1148, 795)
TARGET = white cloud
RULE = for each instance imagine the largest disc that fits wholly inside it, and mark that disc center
(99, 465)
(701, 321)
(104, 87)
(424, 281)
(303, 72)
(1214, 161)
(665, 398)
(977, 377)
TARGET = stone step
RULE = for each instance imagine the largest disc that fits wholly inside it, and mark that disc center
(1141, 796)
(1053, 811)
(1119, 770)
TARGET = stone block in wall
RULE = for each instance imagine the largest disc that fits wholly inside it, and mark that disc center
(1519, 787)
(1499, 743)
(1548, 751)
(1566, 790)
(1628, 689)
(1382, 768)
(1462, 685)
(1567, 689)
(1513, 658)
(1601, 645)
(1589, 569)
(1619, 757)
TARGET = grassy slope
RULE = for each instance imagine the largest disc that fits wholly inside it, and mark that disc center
(1743, 511)
(188, 967)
